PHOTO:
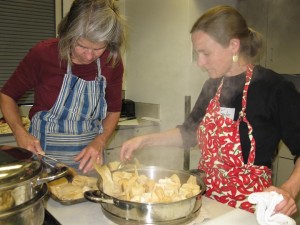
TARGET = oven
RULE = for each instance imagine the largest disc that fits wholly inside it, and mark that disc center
(295, 78)
(50, 219)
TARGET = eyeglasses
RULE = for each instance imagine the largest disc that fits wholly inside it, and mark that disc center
(94, 50)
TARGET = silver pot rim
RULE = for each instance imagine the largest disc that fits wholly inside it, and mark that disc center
(149, 213)
(41, 193)
(92, 195)
(17, 167)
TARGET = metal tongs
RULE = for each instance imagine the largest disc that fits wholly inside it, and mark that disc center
(54, 171)
(55, 167)
(128, 163)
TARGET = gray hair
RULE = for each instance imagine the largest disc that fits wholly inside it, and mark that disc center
(94, 20)
(224, 23)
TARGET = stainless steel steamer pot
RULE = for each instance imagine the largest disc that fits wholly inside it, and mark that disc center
(22, 174)
(31, 212)
(131, 213)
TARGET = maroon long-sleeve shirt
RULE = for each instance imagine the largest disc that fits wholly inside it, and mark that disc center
(43, 70)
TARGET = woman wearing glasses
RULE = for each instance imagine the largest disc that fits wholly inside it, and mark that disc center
(77, 83)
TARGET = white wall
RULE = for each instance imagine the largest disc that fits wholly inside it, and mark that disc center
(159, 67)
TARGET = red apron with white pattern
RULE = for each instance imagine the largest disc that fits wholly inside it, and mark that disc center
(229, 180)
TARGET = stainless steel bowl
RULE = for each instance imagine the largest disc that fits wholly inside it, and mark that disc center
(131, 213)
(21, 173)
(31, 212)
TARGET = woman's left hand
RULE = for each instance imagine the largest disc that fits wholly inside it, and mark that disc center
(90, 154)
(288, 205)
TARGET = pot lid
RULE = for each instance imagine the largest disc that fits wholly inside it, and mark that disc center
(17, 165)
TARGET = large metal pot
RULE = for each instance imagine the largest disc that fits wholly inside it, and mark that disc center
(21, 174)
(127, 212)
(31, 212)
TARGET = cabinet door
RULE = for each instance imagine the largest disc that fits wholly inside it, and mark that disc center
(112, 151)
(118, 137)
(146, 130)
(284, 168)
(255, 13)
(111, 155)
(283, 45)
(277, 21)
(8, 140)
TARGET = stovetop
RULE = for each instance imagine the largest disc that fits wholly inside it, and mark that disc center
(50, 219)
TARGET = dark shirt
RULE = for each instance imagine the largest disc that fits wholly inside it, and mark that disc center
(273, 110)
(42, 70)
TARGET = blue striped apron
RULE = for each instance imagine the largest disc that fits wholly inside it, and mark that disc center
(75, 118)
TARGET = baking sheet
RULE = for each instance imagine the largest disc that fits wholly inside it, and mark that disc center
(66, 202)
(131, 122)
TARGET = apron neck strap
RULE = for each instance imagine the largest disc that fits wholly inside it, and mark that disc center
(98, 67)
(249, 73)
(69, 67)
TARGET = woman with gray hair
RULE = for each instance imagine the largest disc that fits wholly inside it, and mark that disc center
(77, 83)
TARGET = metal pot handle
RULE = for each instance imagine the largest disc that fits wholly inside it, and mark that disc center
(57, 173)
(198, 172)
(94, 196)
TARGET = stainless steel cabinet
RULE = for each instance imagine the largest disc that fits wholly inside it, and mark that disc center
(284, 165)
(277, 20)
(283, 36)
(256, 14)
(8, 139)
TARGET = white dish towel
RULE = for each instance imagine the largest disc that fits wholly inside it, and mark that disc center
(265, 204)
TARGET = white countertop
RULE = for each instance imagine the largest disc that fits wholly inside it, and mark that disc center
(89, 213)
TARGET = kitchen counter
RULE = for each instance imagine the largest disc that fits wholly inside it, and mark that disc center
(89, 213)
(9, 139)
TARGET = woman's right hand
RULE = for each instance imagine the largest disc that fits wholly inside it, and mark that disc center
(10, 111)
(29, 142)
(167, 138)
(130, 146)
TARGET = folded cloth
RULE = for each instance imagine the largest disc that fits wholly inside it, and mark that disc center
(265, 205)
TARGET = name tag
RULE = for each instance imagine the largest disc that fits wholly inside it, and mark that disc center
(227, 112)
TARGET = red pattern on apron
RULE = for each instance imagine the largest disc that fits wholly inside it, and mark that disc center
(228, 179)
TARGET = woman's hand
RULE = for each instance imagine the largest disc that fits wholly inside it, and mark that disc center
(29, 142)
(92, 153)
(167, 138)
(130, 146)
(288, 205)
